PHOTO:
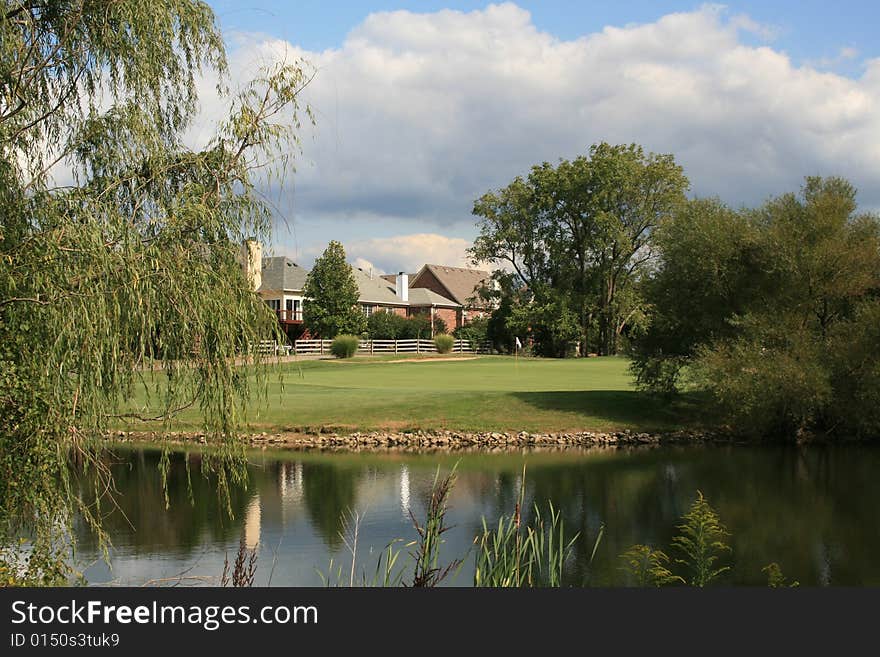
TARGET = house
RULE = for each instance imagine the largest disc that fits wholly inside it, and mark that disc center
(281, 287)
(411, 302)
(376, 295)
(447, 293)
(457, 284)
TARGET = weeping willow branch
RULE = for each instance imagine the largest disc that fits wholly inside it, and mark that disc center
(133, 267)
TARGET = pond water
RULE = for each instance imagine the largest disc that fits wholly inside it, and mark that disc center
(813, 510)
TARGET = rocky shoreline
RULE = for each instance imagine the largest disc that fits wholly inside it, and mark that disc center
(433, 440)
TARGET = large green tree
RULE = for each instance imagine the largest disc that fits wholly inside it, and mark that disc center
(579, 236)
(331, 293)
(126, 266)
(771, 311)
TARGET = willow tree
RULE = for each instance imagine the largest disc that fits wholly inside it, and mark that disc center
(129, 267)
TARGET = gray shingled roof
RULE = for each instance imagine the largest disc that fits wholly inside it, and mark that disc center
(375, 289)
(282, 274)
(422, 296)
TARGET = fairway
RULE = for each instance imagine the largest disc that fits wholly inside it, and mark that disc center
(489, 393)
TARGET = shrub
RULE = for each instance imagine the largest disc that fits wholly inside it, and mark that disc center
(444, 343)
(344, 346)
(383, 325)
(770, 384)
(474, 330)
(386, 325)
(417, 327)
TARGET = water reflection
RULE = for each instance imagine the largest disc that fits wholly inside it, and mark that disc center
(814, 510)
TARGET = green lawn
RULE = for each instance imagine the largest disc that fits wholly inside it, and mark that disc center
(490, 393)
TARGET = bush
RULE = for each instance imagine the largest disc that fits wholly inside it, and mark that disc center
(344, 346)
(767, 385)
(474, 330)
(385, 325)
(444, 343)
(417, 327)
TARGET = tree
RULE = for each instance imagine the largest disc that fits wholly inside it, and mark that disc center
(580, 233)
(131, 265)
(501, 292)
(707, 276)
(332, 294)
(771, 311)
(329, 493)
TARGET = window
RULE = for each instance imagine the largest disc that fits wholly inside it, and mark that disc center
(274, 304)
(368, 310)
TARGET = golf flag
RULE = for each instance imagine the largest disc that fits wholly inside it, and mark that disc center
(518, 343)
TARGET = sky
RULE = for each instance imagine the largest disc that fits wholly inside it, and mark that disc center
(421, 107)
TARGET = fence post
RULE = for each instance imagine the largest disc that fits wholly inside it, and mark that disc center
(321, 342)
(395, 345)
(419, 345)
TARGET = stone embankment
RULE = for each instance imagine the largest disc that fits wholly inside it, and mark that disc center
(450, 440)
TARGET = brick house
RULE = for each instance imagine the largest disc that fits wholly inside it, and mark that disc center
(447, 293)
(420, 301)
(376, 295)
(457, 284)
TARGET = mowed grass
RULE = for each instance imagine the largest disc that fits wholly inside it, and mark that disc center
(489, 393)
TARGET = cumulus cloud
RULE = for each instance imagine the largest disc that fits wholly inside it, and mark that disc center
(367, 265)
(844, 56)
(419, 114)
(408, 252)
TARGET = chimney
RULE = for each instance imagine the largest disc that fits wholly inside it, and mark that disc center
(401, 286)
(251, 259)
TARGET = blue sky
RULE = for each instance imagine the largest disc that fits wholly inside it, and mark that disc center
(422, 111)
(806, 29)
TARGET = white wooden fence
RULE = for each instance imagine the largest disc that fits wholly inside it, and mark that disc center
(389, 347)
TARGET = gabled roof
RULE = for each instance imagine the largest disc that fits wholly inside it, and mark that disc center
(422, 296)
(375, 289)
(282, 274)
(392, 278)
(460, 283)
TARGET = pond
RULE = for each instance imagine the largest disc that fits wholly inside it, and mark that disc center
(813, 510)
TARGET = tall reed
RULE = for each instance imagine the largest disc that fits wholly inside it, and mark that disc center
(515, 554)
(424, 552)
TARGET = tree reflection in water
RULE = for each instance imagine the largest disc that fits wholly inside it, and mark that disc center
(812, 510)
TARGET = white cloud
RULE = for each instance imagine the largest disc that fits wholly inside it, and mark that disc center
(748, 24)
(367, 265)
(846, 55)
(407, 252)
(419, 114)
